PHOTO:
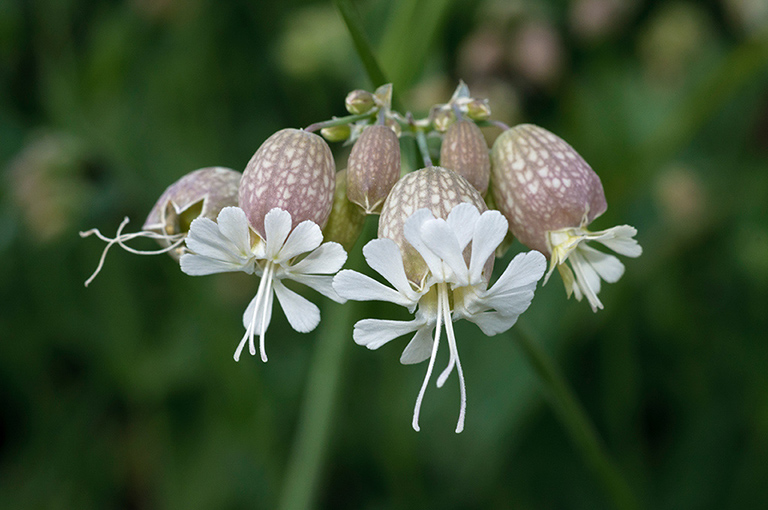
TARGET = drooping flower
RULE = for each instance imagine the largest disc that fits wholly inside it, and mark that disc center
(455, 251)
(550, 195)
(285, 197)
(229, 245)
(202, 193)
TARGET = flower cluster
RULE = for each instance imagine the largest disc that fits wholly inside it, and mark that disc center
(437, 236)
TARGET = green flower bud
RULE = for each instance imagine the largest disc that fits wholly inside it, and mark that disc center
(359, 102)
(435, 188)
(346, 220)
(478, 109)
(465, 152)
(373, 167)
(293, 170)
(336, 133)
(442, 118)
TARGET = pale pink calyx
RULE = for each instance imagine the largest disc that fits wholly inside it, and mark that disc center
(435, 188)
(202, 193)
(293, 170)
(540, 183)
(373, 167)
(550, 195)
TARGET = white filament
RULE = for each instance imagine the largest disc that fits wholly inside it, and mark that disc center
(174, 240)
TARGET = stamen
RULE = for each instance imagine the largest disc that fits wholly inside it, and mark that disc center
(455, 359)
(581, 281)
(174, 242)
(251, 329)
(269, 271)
(442, 289)
(438, 327)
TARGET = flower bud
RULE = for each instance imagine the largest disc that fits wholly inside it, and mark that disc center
(442, 118)
(359, 102)
(541, 184)
(293, 170)
(336, 133)
(346, 220)
(394, 126)
(478, 109)
(434, 188)
(373, 167)
(465, 152)
(204, 192)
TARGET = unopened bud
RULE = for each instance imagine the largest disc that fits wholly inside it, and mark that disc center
(394, 126)
(434, 188)
(346, 220)
(465, 152)
(202, 193)
(336, 133)
(442, 118)
(373, 167)
(541, 184)
(359, 102)
(478, 109)
(293, 170)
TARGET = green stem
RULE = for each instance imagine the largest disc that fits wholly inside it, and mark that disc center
(337, 121)
(363, 46)
(305, 463)
(421, 141)
(576, 422)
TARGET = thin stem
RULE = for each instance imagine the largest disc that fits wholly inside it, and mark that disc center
(576, 422)
(363, 46)
(305, 463)
(421, 141)
(336, 121)
(492, 123)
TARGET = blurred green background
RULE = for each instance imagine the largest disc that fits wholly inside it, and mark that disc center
(125, 394)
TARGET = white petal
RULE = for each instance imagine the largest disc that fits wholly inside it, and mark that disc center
(277, 226)
(385, 258)
(522, 273)
(198, 265)
(587, 279)
(493, 323)
(412, 234)
(462, 219)
(419, 348)
(251, 309)
(304, 238)
(440, 239)
(607, 266)
(302, 315)
(489, 232)
(620, 239)
(513, 302)
(327, 259)
(358, 287)
(205, 239)
(322, 283)
(373, 333)
(233, 225)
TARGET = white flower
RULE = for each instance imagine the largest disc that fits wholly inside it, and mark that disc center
(589, 265)
(451, 291)
(226, 245)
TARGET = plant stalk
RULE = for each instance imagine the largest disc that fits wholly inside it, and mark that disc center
(576, 422)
